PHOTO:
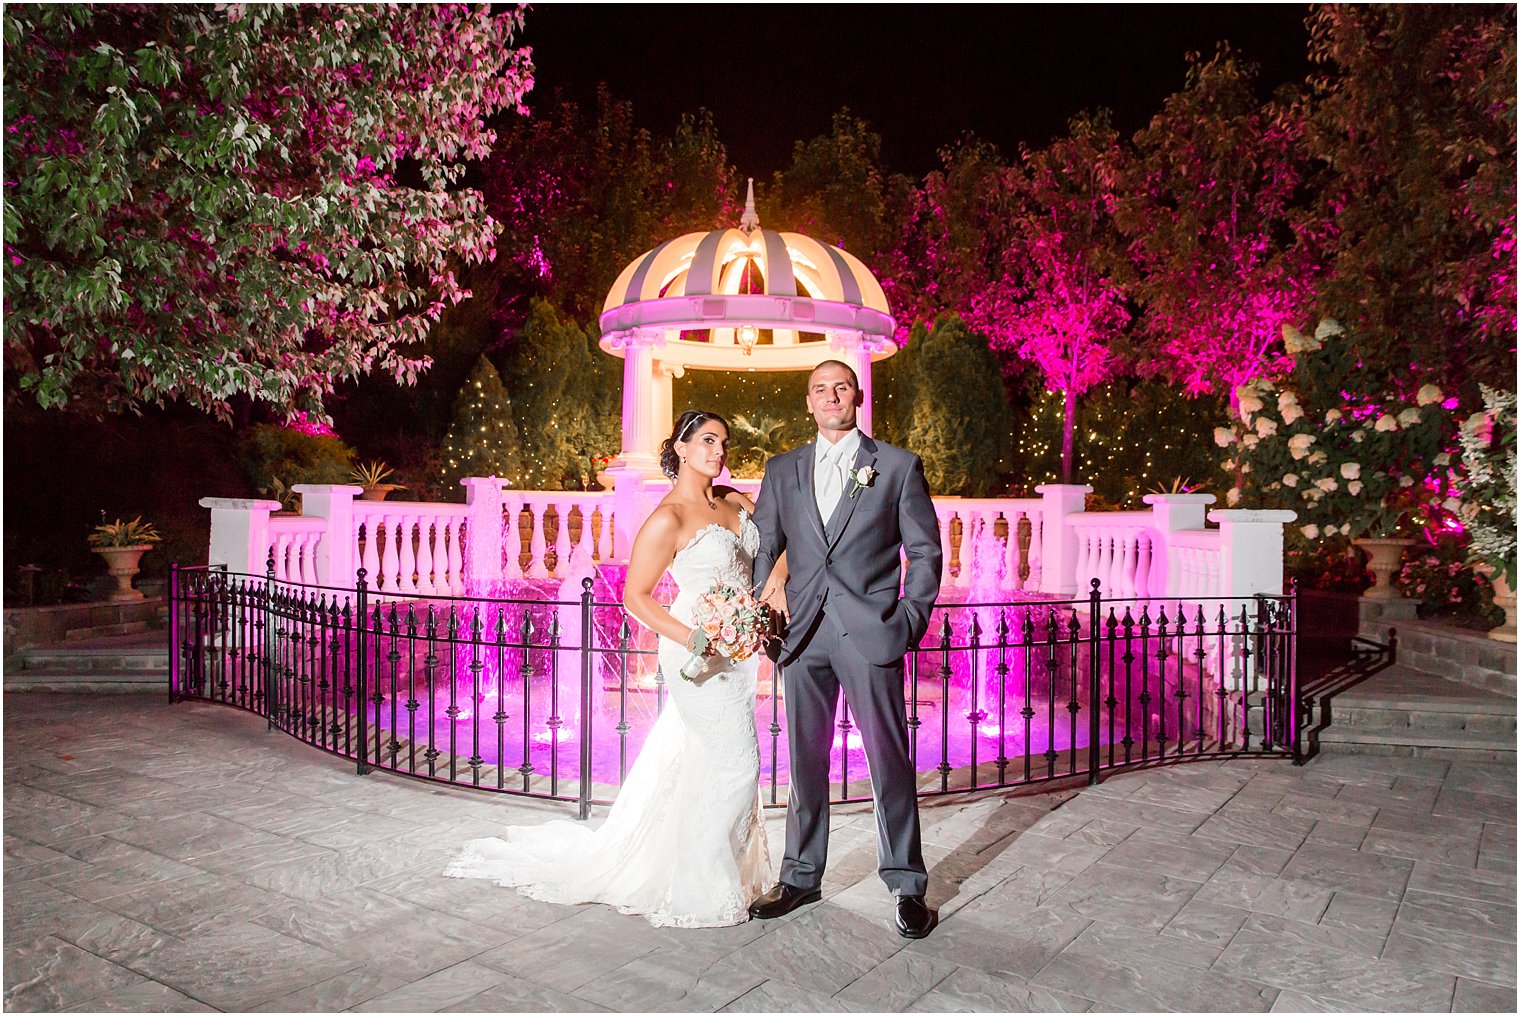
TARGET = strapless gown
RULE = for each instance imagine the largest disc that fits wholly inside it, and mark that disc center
(684, 844)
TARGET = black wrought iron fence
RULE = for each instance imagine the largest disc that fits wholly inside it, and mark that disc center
(547, 697)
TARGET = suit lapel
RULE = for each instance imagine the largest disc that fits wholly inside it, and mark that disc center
(865, 455)
(805, 463)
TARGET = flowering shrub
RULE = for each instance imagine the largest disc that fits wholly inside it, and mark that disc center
(1351, 465)
(1487, 504)
(1439, 577)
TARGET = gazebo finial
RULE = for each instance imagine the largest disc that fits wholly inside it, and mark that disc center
(750, 220)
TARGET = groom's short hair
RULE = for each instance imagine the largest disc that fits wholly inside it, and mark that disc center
(854, 378)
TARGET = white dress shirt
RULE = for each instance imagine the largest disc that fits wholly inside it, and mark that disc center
(831, 466)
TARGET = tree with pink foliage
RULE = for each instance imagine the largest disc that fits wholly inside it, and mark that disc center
(1057, 302)
(250, 201)
(1209, 210)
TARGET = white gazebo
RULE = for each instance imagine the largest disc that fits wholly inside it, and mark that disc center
(734, 300)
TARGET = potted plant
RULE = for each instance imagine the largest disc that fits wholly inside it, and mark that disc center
(123, 544)
(1487, 504)
(372, 476)
(603, 478)
(277, 490)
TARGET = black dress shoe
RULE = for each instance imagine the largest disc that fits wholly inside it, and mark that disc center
(781, 899)
(914, 918)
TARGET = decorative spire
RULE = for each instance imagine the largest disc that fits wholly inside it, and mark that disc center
(750, 220)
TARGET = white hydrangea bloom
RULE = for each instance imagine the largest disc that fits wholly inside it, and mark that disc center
(1333, 415)
(1428, 394)
(1351, 470)
(1293, 413)
(1386, 422)
(1224, 436)
(1311, 532)
(1290, 480)
(1409, 417)
(1265, 427)
(1327, 484)
(1354, 487)
(1232, 497)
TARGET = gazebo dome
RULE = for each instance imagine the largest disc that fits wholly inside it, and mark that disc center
(748, 299)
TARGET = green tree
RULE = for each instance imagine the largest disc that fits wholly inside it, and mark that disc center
(1415, 116)
(960, 424)
(482, 439)
(836, 190)
(565, 393)
(209, 203)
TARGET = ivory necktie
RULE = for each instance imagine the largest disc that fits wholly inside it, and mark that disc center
(830, 483)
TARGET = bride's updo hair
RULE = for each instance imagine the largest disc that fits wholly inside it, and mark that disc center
(686, 427)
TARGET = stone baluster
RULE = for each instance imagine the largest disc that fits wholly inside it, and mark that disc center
(538, 567)
(454, 532)
(390, 557)
(406, 578)
(369, 559)
(425, 537)
(561, 538)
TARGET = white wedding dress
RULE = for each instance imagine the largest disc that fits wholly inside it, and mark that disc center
(684, 844)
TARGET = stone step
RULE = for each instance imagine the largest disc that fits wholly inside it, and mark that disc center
(137, 682)
(1474, 751)
(104, 630)
(1362, 717)
(60, 659)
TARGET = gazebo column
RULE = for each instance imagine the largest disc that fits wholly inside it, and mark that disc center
(849, 347)
(663, 418)
(641, 404)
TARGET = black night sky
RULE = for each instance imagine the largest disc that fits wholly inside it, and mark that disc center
(921, 75)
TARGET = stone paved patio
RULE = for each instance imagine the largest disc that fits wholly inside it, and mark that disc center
(182, 858)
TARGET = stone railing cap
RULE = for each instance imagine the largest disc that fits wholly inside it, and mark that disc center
(1083, 487)
(1274, 515)
(327, 488)
(241, 503)
(1179, 499)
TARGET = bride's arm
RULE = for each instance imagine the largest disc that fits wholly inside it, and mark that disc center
(653, 550)
(774, 592)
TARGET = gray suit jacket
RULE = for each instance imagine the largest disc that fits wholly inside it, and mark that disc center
(855, 563)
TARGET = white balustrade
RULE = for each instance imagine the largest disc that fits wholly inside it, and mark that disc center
(293, 544)
(410, 549)
(1117, 549)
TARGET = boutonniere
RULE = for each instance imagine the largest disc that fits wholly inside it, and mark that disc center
(863, 477)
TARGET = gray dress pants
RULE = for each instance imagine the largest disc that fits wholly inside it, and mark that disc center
(811, 683)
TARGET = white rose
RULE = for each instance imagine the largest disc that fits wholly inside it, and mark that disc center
(1475, 422)
(1265, 427)
(1385, 422)
(1409, 417)
(1333, 415)
(1292, 413)
(1232, 497)
(1290, 480)
(1311, 532)
(1428, 394)
(1354, 487)
(1224, 436)
(1351, 470)
(1327, 484)
(1313, 494)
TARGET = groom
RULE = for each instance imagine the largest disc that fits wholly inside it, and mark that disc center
(842, 509)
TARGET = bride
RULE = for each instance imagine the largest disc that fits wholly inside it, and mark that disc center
(684, 844)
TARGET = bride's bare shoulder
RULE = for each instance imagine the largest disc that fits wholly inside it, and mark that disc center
(664, 522)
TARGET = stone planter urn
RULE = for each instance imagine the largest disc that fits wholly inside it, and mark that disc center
(122, 563)
(604, 479)
(1504, 599)
(1383, 560)
(377, 492)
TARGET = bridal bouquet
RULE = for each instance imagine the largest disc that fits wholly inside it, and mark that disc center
(730, 623)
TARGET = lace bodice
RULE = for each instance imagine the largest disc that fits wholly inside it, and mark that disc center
(714, 554)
